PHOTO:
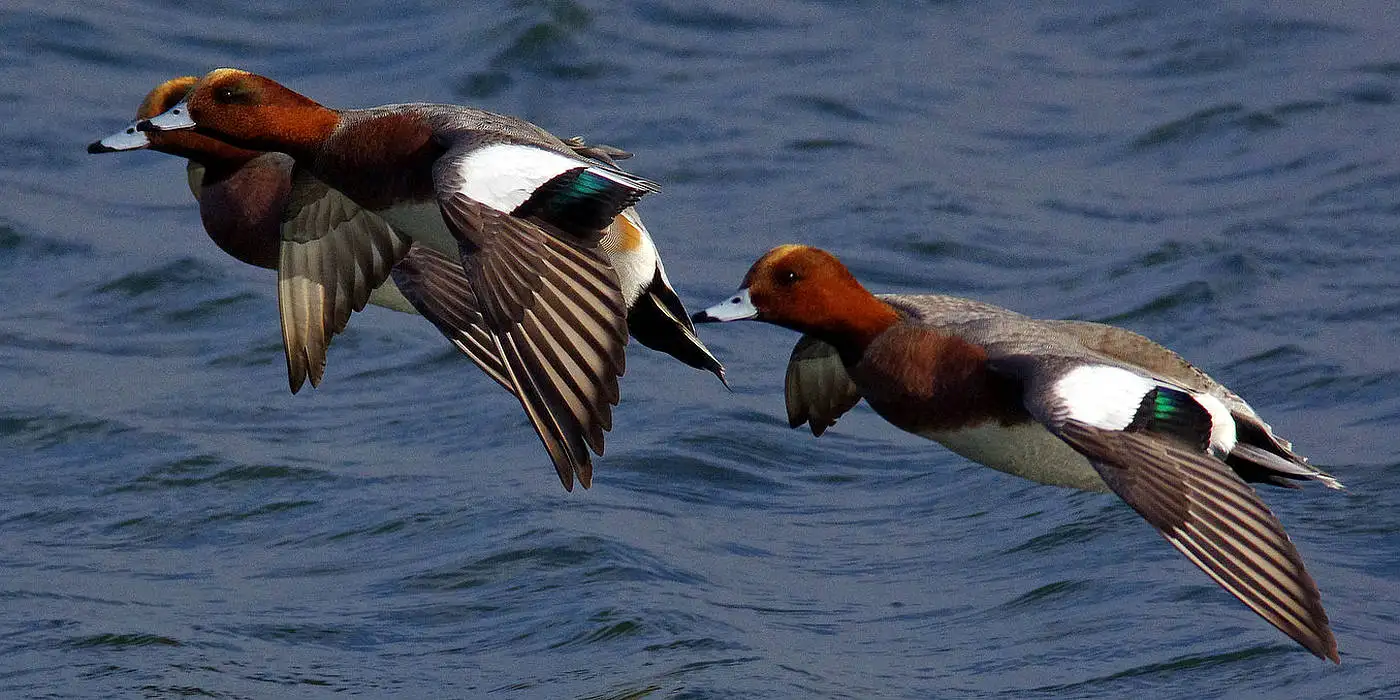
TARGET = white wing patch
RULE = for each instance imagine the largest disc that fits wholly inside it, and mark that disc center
(1222, 424)
(1104, 397)
(504, 175)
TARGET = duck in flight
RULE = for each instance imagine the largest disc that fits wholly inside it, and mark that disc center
(557, 264)
(1070, 403)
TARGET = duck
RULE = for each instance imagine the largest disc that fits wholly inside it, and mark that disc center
(559, 263)
(1068, 403)
(243, 196)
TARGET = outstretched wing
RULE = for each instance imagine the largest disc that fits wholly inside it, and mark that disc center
(556, 317)
(1160, 447)
(1213, 517)
(1259, 455)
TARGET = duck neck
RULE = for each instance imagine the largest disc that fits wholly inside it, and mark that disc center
(854, 324)
(217, 169)
(398, 148)
(298, 129)
(218, 159)
(304, 132)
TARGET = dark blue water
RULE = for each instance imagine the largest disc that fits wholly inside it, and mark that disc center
(173, 523)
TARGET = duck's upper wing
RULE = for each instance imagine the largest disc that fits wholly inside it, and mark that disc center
(1158, 446)
(817, 388)
(333, 255)
(1128, 346)
(1259, 454)
(528, 219)
(531, 177)
(557, 321)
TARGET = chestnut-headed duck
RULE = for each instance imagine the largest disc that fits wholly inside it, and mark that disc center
(243, 196)
(529, 216)
(1070, 403)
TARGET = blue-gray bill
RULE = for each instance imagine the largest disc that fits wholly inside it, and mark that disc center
(128, 139)
(173, 119)
(736, 308)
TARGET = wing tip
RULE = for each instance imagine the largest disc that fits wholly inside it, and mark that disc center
(1330, 481)
(1330, 651)
(818, 427)
(1320, 642)
(296, 372)
(568, 471)
(1293, 606)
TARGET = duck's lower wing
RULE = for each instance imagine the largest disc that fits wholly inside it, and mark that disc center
(817, 388)
(1213, 517)
(556, 316)
(438, 288)
(333, 255)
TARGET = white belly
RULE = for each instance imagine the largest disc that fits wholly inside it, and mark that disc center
(1027, 450)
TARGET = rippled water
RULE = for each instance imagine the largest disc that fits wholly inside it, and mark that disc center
(174, 523)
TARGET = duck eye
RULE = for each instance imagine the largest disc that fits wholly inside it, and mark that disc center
(224, 95)
(787, 278)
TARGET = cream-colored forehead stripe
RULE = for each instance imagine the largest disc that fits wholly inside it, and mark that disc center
(772, 257)
(222, 72)
(780, 252)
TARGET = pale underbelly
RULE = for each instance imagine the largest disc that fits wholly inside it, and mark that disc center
(1027, 450)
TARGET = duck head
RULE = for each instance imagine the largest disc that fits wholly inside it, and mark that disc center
(250, 111)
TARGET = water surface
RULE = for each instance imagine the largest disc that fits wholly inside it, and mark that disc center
(176, 524)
